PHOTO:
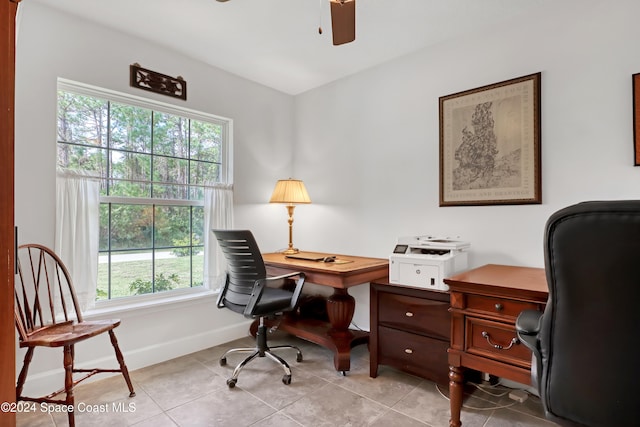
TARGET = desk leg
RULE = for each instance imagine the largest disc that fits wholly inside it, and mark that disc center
(334, 335)
(340, 309)
(456, 381)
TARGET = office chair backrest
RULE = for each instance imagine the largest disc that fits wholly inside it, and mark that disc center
(590, 368)
(44, 294)
(244, 266)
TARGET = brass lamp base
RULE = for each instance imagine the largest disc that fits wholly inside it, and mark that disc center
(290, 251)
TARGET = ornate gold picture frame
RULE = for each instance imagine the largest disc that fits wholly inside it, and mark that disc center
(490, 144)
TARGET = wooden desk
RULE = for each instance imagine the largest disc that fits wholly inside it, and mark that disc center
(484, 305)
(336, 334)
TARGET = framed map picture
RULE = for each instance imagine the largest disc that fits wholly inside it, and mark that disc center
(490, 144)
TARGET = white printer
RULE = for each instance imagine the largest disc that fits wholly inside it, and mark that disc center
(424, 261)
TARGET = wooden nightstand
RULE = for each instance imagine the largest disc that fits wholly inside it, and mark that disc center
(484, 305)
(410, 330)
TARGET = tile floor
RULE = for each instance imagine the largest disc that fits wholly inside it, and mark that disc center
(191, 391)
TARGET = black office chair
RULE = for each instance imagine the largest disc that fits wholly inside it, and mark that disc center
(585, 362)
(249, 291)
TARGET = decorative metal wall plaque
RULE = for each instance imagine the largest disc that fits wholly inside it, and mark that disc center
(157, 82)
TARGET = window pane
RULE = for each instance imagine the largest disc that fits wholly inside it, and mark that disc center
(131, 274)
(197, 278)
(170, 135)
(128, 169)
(204, 173)
(172, 227)
(102, 290)
(197, 226)
(82, 119)
(130, 128)
(206, 140)
(131, 226)
(167, 171)
(82, 158)
(104, 227)
(172, 272)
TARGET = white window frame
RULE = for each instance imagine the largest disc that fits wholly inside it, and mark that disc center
(130, 303)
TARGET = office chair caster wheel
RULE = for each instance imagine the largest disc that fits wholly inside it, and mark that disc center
(286, 379)
(231, 382)
(223, 361)
(299, 357)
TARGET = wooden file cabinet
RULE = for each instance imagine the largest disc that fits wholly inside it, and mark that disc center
(485, 303)
(410, 330)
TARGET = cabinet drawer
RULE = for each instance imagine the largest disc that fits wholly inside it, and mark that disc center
(497, 341)
(413, 353)
(505, 308)
(420, 315)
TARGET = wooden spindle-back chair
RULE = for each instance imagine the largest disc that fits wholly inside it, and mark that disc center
(47, 314)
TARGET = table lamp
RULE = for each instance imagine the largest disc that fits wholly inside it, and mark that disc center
(290, 192)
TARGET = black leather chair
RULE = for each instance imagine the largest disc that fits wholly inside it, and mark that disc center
(249, 291)
(585, 360)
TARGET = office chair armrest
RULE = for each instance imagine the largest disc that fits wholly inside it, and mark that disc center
(528, 325)
(223, 292)
(274, 281)
(528, 322)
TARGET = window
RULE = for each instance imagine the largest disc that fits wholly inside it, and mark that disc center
(153, 162)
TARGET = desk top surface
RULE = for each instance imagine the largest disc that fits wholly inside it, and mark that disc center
(492, 278)
(345, 271)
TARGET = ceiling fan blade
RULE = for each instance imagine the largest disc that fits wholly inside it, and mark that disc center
(343, 21)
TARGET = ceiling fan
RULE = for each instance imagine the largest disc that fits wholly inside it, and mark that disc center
(343, 20)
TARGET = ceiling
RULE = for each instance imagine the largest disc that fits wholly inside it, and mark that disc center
(276, 42)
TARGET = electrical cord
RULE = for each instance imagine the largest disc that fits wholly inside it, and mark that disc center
(357, 327)
(479, 409)
(484, 389)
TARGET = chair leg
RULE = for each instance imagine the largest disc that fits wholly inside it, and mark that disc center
(280, 360)
(261, 349)
(123, 366)
(298, 352)
(241, 365)
(23, 372)
(68, 382)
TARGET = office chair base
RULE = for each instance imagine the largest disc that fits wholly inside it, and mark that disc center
(261, 350)
(286, 378)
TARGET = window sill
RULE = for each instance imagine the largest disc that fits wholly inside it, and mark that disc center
(151, 303)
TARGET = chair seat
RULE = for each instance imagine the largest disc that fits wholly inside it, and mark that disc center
(273, 300)
(68, 333)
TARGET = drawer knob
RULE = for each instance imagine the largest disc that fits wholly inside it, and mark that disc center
(408, 351)
(408, 314)
(499, 307)
(486, 336)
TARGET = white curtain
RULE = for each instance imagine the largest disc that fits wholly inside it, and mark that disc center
(77, 231)
(218, 214)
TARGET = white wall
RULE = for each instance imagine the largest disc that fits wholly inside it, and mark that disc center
(51, 45)
(366, 146)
